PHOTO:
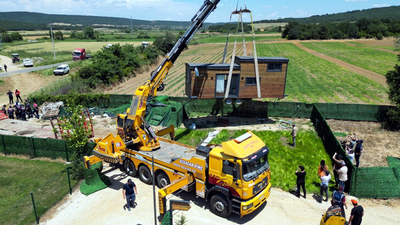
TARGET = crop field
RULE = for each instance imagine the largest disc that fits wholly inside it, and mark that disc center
(266, 25)
(222, 39)
(309, 79)
(370, 59)
(91, 47)
(369, 46)
(312, 79)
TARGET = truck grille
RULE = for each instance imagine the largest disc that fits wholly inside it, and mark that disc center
(260, 185)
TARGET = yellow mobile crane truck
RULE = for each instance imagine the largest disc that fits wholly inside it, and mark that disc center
(233, 177)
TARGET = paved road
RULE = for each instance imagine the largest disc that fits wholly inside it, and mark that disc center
(30, 69)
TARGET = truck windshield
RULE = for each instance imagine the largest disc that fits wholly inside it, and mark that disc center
(256, 164)
(76, 53)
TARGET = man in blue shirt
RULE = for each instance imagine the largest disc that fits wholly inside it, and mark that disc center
(129, 191)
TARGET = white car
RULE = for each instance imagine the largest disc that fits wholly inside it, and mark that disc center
(27, 62)
(61, 69)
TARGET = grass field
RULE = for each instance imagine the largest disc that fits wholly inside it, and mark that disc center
(312, 79)
(364, 45)
(266, 25)
(283, 158)
(371, 59)
(47, 181)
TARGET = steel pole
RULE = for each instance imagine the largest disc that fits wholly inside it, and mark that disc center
(52, 40)
(154, 191)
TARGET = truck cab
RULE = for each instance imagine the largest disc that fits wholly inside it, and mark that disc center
(79, 54)
(239, 176)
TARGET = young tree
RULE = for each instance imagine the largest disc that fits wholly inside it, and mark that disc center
(3, 30)
(76, 136)
(393, 81)
(89, 32)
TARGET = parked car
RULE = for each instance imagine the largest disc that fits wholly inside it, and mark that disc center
(27, 62)
(15, 57)
(61, 69)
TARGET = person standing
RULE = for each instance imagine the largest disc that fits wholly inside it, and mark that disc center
(325, 184)
(356, 213)
(4, 109)
(10, 96)
(301, 180)
(339, 197)
(358, 150)
(129, 192)
(35, 110)
(5, 67)
(321, 169)
(17, 94)
(23, 113)
(294, 134)
(340, 169)
(10, 113)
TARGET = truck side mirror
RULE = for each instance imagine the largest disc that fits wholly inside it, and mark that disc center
(234, 174)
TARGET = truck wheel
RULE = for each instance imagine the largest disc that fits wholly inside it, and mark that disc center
(145, 175)
(129, 167)
(162, 180)
(219, 206)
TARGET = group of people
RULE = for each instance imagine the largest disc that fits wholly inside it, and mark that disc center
(353, 147)
(338, 198)
(21, 111)
(11, 96)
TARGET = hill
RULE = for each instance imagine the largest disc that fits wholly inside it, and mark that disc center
(94, 21)
(391, 12)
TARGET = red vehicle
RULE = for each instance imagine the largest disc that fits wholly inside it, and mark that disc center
(79, 54)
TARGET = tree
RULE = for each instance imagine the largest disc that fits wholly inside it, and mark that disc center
(15, 36)
(73, 34)
(6, 38)
(59, 35)
(165, 43)
(393, 81)
(89, 32)
(76, 137)
(3, 30)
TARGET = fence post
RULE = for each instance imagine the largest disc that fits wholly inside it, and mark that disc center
(66, 150)
(34, 148)
(34, 209)
(4, 145)
(69, 182)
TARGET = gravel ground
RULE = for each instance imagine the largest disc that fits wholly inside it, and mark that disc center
(106, 207)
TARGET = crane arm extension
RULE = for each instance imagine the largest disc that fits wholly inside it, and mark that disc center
(197, 22)
(171, 188)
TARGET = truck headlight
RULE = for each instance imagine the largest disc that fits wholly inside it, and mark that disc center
(246, 207)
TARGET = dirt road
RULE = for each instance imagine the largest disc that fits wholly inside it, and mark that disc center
(4, 60)
(106, 207)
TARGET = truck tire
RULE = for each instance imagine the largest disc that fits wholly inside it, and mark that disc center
(130, 168)
(219, 206)
(145, 175)
(162, 180)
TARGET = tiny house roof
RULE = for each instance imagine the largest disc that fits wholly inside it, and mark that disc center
(212, 66)
(261, 59)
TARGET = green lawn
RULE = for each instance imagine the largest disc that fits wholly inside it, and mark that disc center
(312, 79)
(19, 177)
(283, 158)
(371, 59)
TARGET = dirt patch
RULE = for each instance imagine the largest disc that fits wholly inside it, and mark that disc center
(378, 143)
(26, 83)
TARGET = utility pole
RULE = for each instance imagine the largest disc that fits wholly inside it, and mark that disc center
(52, 40)
(131, 29)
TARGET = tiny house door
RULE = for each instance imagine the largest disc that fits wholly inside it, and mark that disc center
(221, 81)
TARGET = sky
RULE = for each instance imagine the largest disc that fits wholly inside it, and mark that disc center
(183, 10)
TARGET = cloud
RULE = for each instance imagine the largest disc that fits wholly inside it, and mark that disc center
(356, 0)
(380, 5)
(267, 6)
(272, 15)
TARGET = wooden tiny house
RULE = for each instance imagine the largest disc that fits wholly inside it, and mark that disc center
(211, 79)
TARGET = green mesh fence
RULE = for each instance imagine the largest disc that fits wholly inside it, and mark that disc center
(38, 147)
(331, 144)
(376, 182)
(393, 161)
(353, 111)
(20, 212)
(94, 180)
(167, 219)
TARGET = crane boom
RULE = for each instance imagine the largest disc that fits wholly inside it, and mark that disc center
(135, 129)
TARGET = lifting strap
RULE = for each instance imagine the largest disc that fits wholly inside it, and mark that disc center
(228, 84)
(255, 58)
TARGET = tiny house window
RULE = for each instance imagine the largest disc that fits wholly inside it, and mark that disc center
(250, 81)
(274, 67)
(220, 85)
